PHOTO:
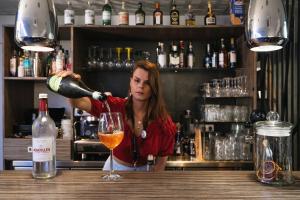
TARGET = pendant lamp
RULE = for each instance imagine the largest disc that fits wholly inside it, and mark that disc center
(266, 28)
(36, 25)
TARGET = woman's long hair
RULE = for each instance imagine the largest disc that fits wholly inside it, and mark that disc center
(156, 105)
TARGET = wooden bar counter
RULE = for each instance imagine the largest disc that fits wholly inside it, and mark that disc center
(87, 184)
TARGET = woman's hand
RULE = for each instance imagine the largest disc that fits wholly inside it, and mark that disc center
(65, 73)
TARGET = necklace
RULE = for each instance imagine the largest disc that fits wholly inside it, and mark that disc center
(139, 129)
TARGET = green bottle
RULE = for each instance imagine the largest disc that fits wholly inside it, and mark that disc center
(106, 13)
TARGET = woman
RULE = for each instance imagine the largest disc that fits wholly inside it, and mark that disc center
(148, 127)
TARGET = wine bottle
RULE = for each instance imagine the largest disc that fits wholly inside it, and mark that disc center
(72, 88)
(106, 13)
(44, 134)
(69, 15)
(140, 15)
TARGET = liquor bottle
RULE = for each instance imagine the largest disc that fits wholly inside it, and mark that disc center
(210, 18)
(181, 54)
(214, 60)
(190, 19)
(207, 57)
(174, 14)
(190, 56)
(72, 88)
(223, 56)
(89, 15)
(162, 56)
(174, 56)
(106, 13)
(27, 64)
(157, 15)
(232, 54)
(123, 15)
(44, 134)
(140, 15)
(178, 151)
(13, 64)
(60, 59)
(69, 15)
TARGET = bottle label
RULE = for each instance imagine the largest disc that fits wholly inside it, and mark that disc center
(157, 18)
(210, 21)
(174, 18)
(69, 16)
(106, 16)
(181, 60)
(174, 61)
(232, 57)
(190, 61)
(123, 18)
(214, 61)
(42, 149)
(139, 19)
(221, 59)
(162, 60)
(54, 83)
(89, 17)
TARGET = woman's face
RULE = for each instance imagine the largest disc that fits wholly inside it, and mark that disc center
(139, 85)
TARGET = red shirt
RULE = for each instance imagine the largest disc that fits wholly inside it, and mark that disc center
(160, 137)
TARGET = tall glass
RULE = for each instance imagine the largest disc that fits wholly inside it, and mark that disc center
(111, 133)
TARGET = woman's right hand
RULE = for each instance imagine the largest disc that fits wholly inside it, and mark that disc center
(65, 73)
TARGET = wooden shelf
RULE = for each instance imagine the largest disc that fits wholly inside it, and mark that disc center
(158, 33)
(25, 78)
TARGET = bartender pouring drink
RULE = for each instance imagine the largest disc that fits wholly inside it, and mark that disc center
(148, 128)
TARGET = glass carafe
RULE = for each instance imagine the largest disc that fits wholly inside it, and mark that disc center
(273, 158)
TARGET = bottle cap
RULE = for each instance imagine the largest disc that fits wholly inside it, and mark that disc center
(43, 96)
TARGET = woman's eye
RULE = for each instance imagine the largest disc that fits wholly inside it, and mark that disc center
(137, 80)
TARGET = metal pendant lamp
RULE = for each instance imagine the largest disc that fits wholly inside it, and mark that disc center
(36, 25)
(266, 28)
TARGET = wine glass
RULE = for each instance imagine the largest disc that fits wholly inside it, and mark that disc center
(111, 133)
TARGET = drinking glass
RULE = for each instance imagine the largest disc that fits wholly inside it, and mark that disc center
(111, 133)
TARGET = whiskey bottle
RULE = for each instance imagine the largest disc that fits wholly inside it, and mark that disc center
(44, 134)
(174, 56)
(72, 88)
(190, 17)
(123, 15)
(89, 15)
(106, 13)
(157, 15)
(210, 18)
(69, 15)
(161, 56)
(223, 56)
(174, 14)
(208, 57)
(140, 15)
(232, 54)
(190, 56)
(181, 54)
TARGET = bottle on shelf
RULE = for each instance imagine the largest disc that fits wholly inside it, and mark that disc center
(106, 13)
(13, 64)
(60, 59)
(89, 15)
(161, 56)
(44, 134)
(232, 54)
(174, 56)
(37, 65)
(174, 14)
(69, 15)
(68, 61)
(123, 15)
(214, 59)
(223, 56)
(178, 151)
(27, 64)
(190, 19)
(150, 162)
(72, 88)
(208, 57)
(190, 56)
(157, 15)
(140, 15)
(210, 18)
(181, 54)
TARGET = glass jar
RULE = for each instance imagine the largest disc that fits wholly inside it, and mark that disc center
(273, 158)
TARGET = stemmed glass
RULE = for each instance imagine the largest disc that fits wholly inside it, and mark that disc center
(111, 133)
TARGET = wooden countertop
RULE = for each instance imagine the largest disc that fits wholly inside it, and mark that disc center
(87, 184)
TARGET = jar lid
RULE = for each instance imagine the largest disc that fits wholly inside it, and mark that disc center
(273, 127)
